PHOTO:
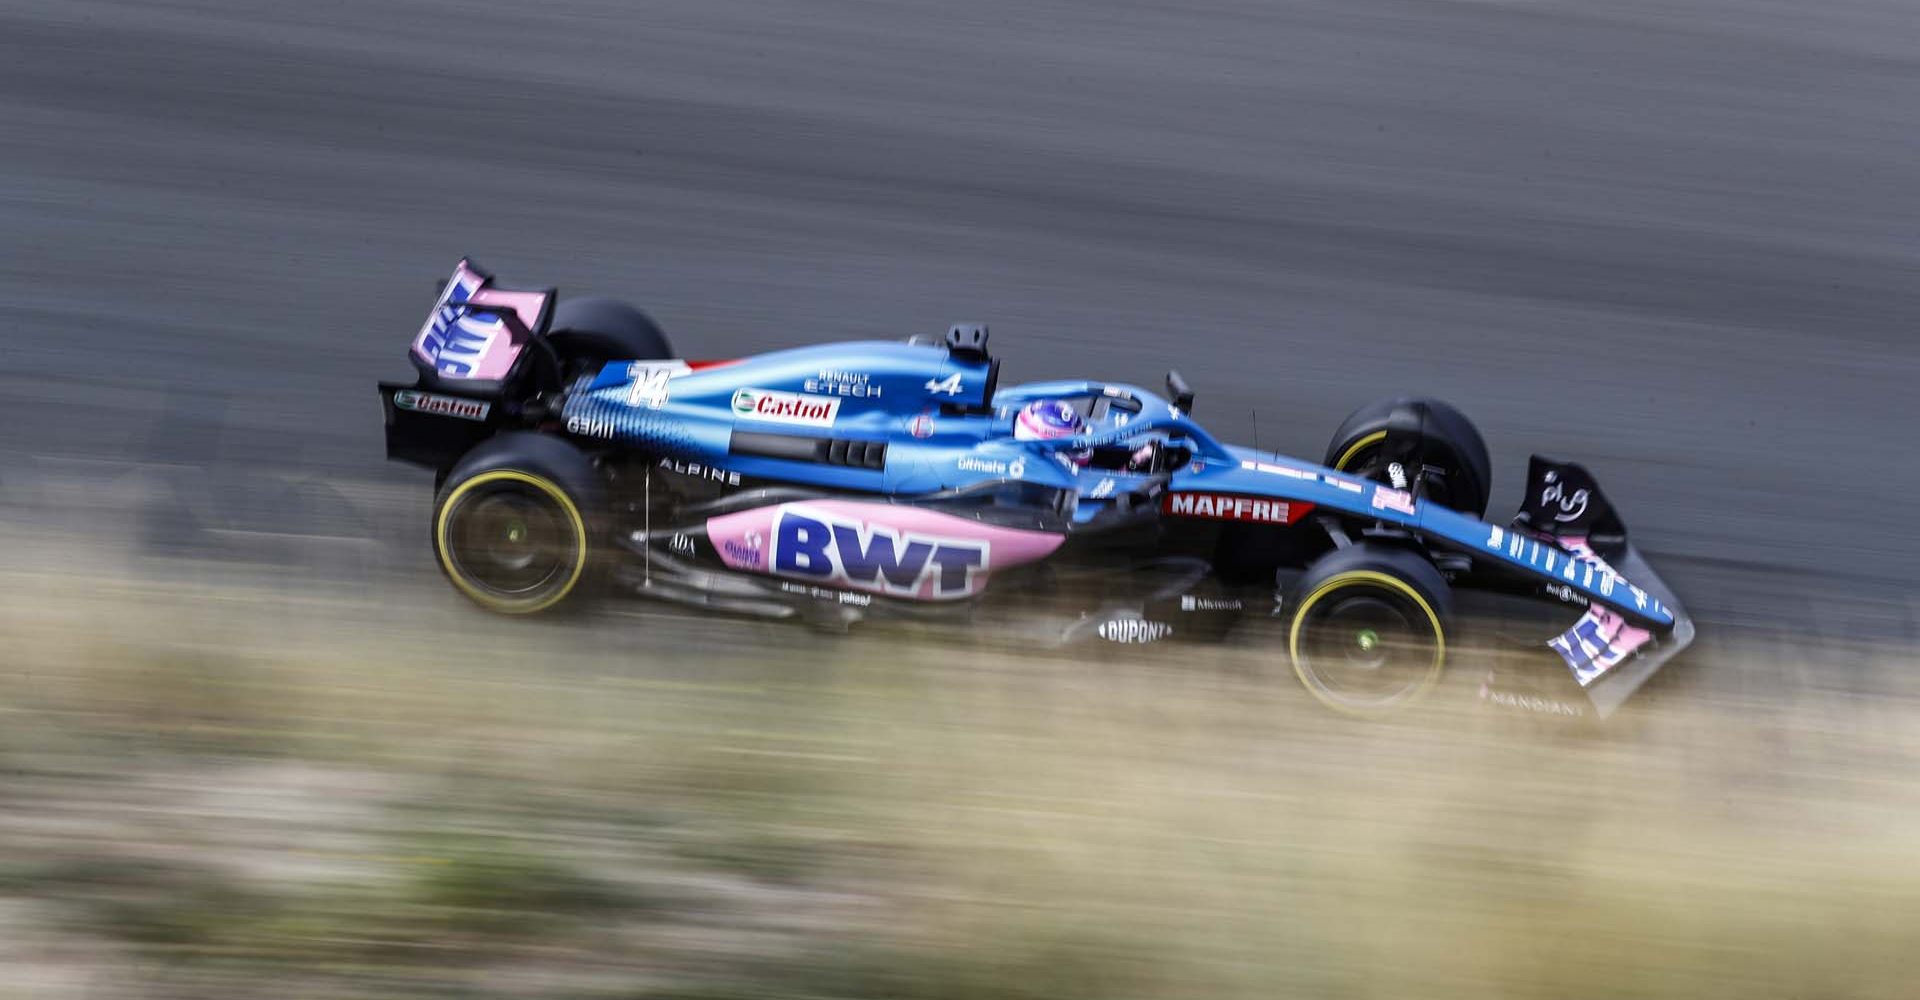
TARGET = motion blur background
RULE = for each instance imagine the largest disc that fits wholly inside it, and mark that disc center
(251, 742)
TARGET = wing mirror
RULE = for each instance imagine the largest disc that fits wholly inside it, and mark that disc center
(968, 341)
(1180, 392)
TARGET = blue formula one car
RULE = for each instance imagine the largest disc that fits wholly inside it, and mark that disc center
(854, 481)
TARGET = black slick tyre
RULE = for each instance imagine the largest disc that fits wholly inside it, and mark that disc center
(518, 526)
(1367, 632)
(588, 332)
(1415, 431)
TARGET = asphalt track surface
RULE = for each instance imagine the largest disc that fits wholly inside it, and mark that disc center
(1677, 240)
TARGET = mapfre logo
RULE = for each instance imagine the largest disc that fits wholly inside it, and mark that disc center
(874, 557)
(785, 407)
(1227, 507)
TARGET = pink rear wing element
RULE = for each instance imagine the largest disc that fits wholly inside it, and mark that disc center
(881, 548)
(476, 331)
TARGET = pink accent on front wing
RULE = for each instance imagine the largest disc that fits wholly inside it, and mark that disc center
(1623, 638)
(1619, 635)
(745, 541)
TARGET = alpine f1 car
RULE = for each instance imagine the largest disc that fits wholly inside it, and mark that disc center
(854, 481)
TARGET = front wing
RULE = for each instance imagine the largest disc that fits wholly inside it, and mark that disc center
(1626, 589)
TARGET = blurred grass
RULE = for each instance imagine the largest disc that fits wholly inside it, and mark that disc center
(233, 792)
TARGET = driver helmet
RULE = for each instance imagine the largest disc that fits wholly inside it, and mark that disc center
(1047, 419)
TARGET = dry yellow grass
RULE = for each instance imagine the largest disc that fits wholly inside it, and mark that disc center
(860, 819)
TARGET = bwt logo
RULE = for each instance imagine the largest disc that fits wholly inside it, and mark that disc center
(875, 557)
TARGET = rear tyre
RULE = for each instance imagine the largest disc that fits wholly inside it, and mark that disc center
(518, 525)
(589, 332)
(1368, 632)
(1436, 435)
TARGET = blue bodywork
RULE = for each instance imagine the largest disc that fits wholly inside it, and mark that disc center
(904, 420)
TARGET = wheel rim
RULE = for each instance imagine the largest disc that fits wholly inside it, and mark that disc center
(511, 540)
(1364, 647)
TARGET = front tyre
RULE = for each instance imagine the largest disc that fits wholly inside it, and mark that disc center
(1411, 433)
(1368, 629)
(516, 526)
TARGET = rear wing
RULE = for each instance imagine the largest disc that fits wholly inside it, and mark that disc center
(476, 332)
(473, 364)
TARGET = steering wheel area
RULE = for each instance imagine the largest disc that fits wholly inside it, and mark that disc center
(1149, 452)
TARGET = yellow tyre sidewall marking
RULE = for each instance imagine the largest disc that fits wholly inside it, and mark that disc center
(544, 485)
(1340, 581)
(1355, 448)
